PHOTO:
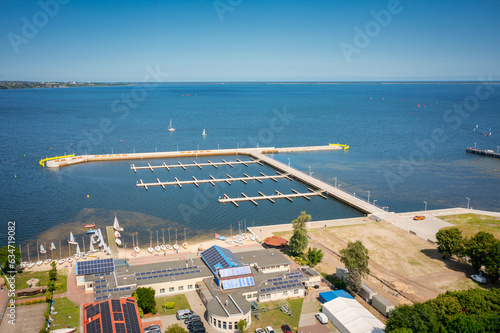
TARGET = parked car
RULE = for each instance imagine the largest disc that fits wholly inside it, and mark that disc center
(152, 328)
(269, 329)
(194, 324)
(419, 217)
(322, 318)
(478, 278)
(259, 330)
(286, 329)
(183, 314)
(197, 329)
(192, 318)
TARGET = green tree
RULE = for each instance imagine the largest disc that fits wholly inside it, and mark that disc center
(53, 272)
(10, 258)
(175, 328)
(145, 298)
(449, 241)
(353, 282)
(419, 317)
(314, 256)
(298, 241)
(242, 325)
(355, 256)
(492, 261)
(478, 247)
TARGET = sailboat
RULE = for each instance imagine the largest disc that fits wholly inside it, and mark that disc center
(91, 248)
(52, 248)
(116, 226)
(42, 249)
(30, 264)
(77, 254)
(163, 247)
(203, 133)
(170, 128)
(71, 239)
(220, 237)
(168, 246)
(61, 260)
(38, 262)
(83, 255)
(157, 247)
(137, 249)
(175, 246)
(150, 248)
(185, 244)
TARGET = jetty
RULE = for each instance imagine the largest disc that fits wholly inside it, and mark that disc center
(271, 198)
(195, 164)
(485, 152)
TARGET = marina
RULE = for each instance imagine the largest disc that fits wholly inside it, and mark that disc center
(485, 152)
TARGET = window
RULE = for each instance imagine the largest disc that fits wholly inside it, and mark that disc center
(171, 289)
(190, 287)
(215, 322)
(224, 326)
(181, 288)
(285, 293)
(218, 323)
(249, 296)
(235, 325)
(296, 291)
(230, 326)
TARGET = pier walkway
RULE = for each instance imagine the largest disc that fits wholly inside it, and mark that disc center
(485, 152)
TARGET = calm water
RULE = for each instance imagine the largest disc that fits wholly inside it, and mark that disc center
(394, 153)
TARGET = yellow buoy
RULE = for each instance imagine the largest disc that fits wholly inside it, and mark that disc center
(87, 196)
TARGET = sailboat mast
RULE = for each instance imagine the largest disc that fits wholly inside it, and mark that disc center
(163, 231)
(83, 244)
(37, 252)
(60, 256)
(29, 259)
(45, 250)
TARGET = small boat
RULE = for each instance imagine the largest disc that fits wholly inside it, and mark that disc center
(157, 247)
(137, 249)
(116, 225)
(170, 128)
(39, 263)
(91, 231)
(71, 239)
(70, 260)
(150, 248)
(42, 249)
(91, 255)
(169, 247)
(118, 241)
(185, 244)
(77, 254)
(252, 237)
(62, 261)
(230, 242)
(117, 234)
(64, 330)
(90, 225)
(175, 246)
(220, 237)
(83, 256)
(203, 133)
(163, 247)
(30, 265)
(52, 246)
(47, 261)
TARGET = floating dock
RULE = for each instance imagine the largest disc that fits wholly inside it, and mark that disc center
(485, 152)
(195, 164)
(271, 198)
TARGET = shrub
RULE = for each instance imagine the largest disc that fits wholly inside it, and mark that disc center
(338, 283)
(170, 305)
(28, 302)
(58, 285)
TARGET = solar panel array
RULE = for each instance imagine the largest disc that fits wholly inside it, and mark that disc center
(191, 271)
(120, 328)
(112, 290)
(93, 326)
(166, 270)
(102, 298)
(213, 258)
(95, 266)
(238, 283)
(117, 316)
(235, 271)
(279, 284)
(107, 324)
(101, 274)
(92, 310)
(296, 274)
(116, 305)
(131, 320)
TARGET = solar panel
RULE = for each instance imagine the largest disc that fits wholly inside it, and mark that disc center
(95, 266)
(217, 257)
(235, 271)
(107, 325)
(92, 310)
(93, 326)
(238, 283)
(116, 305)
(131, 320)
(120, 328)
(117, 316)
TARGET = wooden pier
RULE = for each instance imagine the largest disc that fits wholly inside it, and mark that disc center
(271, 198)
(214, 180)
(195, 164)
(484, 152)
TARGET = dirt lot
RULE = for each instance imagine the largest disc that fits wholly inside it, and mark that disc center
(404, 268)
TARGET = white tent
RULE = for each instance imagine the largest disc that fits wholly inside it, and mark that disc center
(351, 317)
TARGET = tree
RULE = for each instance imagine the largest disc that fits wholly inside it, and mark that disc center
(478, 247)
(53, 272)
(355, 256)
(449, 241)
(10, 258)
(492, 261)
(298, 241)
(175, 328)
(314, 256)
(145, 298)
(353, 282)
(242, 325)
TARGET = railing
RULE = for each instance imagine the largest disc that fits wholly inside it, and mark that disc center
(42, 161)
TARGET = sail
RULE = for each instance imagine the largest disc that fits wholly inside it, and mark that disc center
(115, 223)
(52, 246)
(77, 249)
(71, 237)
(203, 132)
(42, 249)
(91, 249)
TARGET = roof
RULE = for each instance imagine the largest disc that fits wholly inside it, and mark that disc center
(275, 241)
(235, 303)
(308, 271)
(218, 257)
(383, 300)
(95, 266)
(350, 316)
(331, 295)
(263, 258)
(112, 316)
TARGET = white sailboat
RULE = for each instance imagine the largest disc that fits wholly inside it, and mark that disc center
(30, 264)
(61, 260)
(117, 238)
(203, 133)
(116, 226)
(71, 239)
(157, 247)
(137, 249)
(185, 244)
(175, 246)
(170, 128)
(92, 249)
(168, 246)
(77, 254)
(52, 246)
(42, 249)
(38, 262)
(163, 247)
(83, 255)
(150, 248)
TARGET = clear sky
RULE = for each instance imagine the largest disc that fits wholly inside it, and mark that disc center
(249, 40)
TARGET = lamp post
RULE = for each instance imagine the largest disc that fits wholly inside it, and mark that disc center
(335, 181)
(310, 173)
(373, 202)
(288, 161)
(339, 186)
(475, 145)
(425, 207)
(468, 202)
(368, 196)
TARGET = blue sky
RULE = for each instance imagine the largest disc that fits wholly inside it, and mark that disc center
(245, 40)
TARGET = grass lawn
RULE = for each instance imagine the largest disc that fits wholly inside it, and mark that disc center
(43, 278)
(180, 301)
(470, 224)
(275, 318)
(67, 314)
